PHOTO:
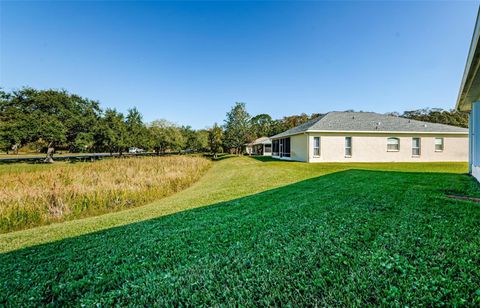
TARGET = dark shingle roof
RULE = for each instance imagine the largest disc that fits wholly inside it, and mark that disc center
(369, 122)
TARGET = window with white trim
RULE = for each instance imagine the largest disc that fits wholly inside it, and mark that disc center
(316, 146)
(348, 146)
(439, 144)
(393, 144)
(416, 146)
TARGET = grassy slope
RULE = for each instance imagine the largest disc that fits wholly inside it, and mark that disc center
(350, 237)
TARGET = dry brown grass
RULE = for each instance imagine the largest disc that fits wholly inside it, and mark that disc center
(35, 196)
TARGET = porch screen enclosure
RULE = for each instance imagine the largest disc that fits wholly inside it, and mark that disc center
(281, 147)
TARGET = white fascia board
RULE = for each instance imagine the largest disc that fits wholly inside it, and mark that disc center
(471, 68)
(285, 136)
(386, 132)
(347, 132)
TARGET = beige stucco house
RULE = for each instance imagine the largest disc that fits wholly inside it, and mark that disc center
(469, 100)
(371, 137)
(260, 146)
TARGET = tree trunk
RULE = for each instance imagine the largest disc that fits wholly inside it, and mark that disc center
(15, 148)
(50, 150)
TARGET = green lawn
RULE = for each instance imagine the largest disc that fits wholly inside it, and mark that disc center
(261, 232)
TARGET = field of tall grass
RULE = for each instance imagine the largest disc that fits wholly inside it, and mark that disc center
(32, 195)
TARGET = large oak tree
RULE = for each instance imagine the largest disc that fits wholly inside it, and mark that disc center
(237, 127)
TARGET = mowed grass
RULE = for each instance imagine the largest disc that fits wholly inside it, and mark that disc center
(32, 195)
(260, 232)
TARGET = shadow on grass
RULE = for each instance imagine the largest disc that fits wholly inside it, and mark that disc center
(267, 159)
(338, 239)
(220, 156)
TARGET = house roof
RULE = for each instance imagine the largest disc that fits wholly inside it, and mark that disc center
(261, 140)
(470, 86)
(369, 122)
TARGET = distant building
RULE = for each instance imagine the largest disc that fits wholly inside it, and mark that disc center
(260, 146)
(371, 137)
(469, 100)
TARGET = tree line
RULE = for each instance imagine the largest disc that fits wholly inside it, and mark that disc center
(49, 120)
(46, 121)
(437, 115)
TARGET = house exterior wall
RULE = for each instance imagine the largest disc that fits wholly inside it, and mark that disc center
(476, 172)
(257, 149)
(262, 149)
(373, 148)
(298, 148)
(474, 127)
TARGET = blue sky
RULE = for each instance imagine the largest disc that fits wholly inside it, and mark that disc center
(188, 62)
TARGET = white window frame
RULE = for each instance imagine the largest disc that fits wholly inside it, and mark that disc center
(350, 147)
(315, 147)
(398, 144)
(442, 144)
(419, 147)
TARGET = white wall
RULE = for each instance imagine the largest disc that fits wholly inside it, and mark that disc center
(476, 172)
(298, 147)
(373, 148)
(474, 124)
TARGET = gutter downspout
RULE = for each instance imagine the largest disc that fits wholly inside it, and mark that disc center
(470, 141)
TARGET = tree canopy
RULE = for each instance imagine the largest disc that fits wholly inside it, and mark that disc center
(437, 115)
(215, 139)
(166, 136)
(56, 119)
(237, 127)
